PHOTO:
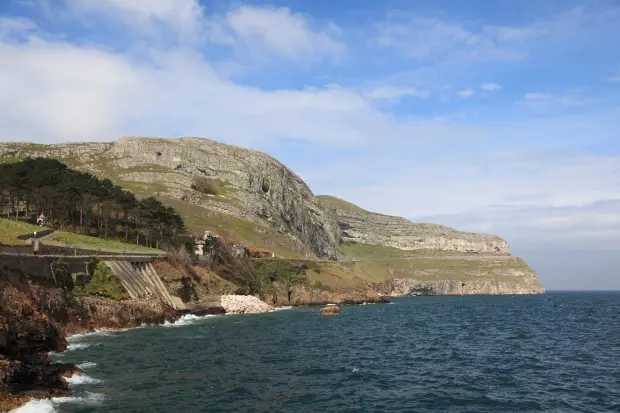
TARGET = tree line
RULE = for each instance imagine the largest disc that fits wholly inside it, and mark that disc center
(80, 202)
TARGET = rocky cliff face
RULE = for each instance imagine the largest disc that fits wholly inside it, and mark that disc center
(366, 227)
(253, 185)
(264, 204)
(487, 275)
(35, 320)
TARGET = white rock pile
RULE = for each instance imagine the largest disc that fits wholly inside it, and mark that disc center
(244, 304)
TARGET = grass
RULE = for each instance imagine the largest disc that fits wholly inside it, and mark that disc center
(199, 219)
(72, 240)
(367, 251)
(341, 203)
(340, 277)
(103, 283)
(10, 230)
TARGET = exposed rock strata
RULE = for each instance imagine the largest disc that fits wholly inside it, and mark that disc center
(366, 227)
(257, 187)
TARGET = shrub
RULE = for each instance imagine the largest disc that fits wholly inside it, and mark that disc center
(103, 283)
(207, 185)
(265, 186)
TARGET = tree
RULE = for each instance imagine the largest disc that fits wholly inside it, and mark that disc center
(290, 279)
(70, 198)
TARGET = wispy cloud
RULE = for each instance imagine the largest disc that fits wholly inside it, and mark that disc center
(395, 93)
(465, 93)
(420, 37)
(537, 96)
(491, 87)
(284, 32)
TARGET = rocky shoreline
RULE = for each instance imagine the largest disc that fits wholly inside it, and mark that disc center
(38, 319)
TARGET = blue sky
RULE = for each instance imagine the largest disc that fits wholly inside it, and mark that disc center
(493, 116)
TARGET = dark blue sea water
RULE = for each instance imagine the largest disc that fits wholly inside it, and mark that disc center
(554, 353)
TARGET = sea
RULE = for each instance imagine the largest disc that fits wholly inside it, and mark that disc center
(558, 352)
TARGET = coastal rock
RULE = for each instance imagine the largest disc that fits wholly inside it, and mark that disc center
(244, 304)
(329, 310)
(34, 320)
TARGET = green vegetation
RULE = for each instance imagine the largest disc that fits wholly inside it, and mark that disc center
(208, 186)
(341, 203)
(377, 252)
(272, 274)
(103, 283)
(10, 230)
(73, 240)
(265, 185)
(367, 251)
(83, 203)
(199, 219)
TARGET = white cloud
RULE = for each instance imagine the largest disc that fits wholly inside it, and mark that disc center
(465, 93)
(183, 17)
(11, 25)
(395, 93)
(491, 86)
(286, 33)
(57, 91)
(420, 38)
(536, 96)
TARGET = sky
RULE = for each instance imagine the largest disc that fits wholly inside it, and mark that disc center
(495, 116)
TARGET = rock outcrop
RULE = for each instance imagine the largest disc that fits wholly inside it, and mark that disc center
(329, 310)
(361, 226)
(35, 319)
(264, 204)
(252, 185)
(244, 304)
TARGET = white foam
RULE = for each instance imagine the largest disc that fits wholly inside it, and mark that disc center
(51, 405)
(102, 332)
(82, 379)
(87, 365)
(77, 346)
(88, 399)
(186, 320)
(284, 307)
(36, 406)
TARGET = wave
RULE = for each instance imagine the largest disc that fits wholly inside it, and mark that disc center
(101, 332)
(51, 405)
(77, 346)
(87, 365)
(82, 379)
(187, 319)
(284, 307)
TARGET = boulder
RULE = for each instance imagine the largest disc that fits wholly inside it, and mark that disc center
(329, 310)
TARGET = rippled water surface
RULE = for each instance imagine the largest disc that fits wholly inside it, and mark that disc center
(554, 353)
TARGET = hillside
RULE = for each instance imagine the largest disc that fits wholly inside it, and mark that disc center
(364, 227)
(250, 197)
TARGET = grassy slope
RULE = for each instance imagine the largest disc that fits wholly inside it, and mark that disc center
(72, 240)
(10, 230)
(340, 203)
(197, 218)
(355, 276)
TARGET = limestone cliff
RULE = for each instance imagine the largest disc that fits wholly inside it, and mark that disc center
(361, 226)
(260, 202)
(252, 185)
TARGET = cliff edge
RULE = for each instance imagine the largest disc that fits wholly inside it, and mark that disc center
(249, 197)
